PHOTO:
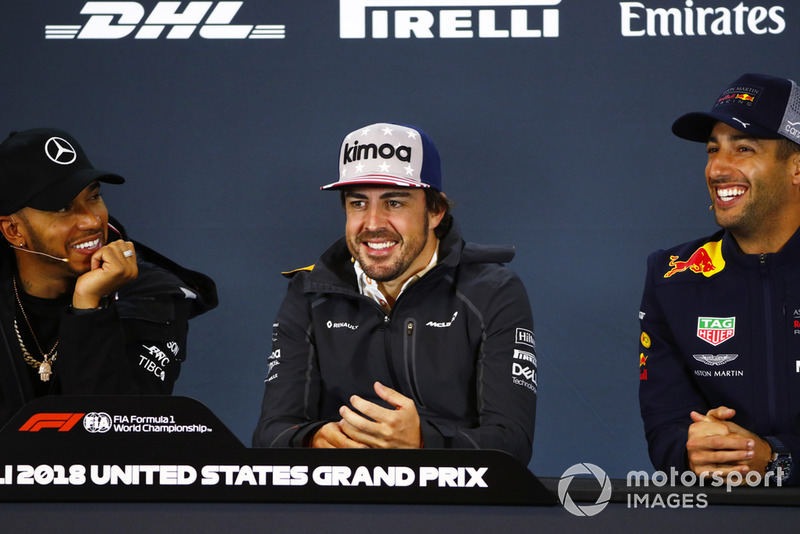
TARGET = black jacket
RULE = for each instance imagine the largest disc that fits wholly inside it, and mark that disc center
(721, 328)
(135, 345)
(459, 343)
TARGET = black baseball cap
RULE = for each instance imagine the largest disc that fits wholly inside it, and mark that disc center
(44, 168)
(757, 104)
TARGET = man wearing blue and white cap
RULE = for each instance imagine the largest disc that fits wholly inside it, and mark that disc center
(402, 335)
(720, 345)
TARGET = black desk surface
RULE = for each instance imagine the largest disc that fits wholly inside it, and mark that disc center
(66, 509)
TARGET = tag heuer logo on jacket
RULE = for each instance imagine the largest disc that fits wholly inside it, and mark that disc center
(716, 330)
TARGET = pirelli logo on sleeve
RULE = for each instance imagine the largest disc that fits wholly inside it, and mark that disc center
(523, 365)
(524, 369)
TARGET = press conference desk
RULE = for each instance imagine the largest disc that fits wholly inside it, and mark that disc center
(178, 518)
(122, 464)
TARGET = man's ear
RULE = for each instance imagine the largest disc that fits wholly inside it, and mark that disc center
(436, 218)
(795, 168)
(10, 229)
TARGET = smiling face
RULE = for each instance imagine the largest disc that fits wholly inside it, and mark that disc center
(389, 231)
(75, 232)
(750, 186)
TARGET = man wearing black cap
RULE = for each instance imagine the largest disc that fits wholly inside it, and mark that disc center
(720, 345)
(80, 311)
(402, 335)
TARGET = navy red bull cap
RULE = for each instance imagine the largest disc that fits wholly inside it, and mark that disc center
(756, 104)
(390, 155)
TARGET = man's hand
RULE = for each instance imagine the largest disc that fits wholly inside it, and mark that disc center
(383, 428)
(113, 266)
(717, 445)
(331, 436)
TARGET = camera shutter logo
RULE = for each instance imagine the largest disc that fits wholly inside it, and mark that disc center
(97, 422)
(588, 509)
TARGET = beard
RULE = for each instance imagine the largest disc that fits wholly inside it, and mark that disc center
(756, 217)
(37, 244)
(389, 268)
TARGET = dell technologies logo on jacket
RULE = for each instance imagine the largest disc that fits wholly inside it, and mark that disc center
(453, 19)
(116, 20)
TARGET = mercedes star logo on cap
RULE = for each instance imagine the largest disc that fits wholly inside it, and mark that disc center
(60, 151)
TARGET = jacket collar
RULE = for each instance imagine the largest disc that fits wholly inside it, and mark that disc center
(334, 272)
(789, 254)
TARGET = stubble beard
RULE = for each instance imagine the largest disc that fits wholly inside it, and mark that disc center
(38, 245)
(756, 217)
(409, 251)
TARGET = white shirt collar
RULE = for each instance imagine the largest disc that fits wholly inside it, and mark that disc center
(367, 286)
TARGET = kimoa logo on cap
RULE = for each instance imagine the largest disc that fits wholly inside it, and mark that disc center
(372, 151)
(59, 151)
(385, 153)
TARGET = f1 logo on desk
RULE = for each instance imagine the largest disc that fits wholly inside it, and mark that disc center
(62, 421)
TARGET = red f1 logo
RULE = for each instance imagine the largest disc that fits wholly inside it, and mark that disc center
(62, 421)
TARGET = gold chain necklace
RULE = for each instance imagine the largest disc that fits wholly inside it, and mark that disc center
(45, 366)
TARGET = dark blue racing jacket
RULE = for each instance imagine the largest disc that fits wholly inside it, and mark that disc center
(720, 328)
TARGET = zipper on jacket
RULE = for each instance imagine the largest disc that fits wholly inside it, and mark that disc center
(409, 338)
(769, 349)
(409, 354)
(387, 348)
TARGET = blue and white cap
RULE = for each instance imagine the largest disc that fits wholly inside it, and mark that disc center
(390, 155)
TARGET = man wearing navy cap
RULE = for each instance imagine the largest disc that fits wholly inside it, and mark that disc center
(720, 345)
(83, 310)
(402, 335)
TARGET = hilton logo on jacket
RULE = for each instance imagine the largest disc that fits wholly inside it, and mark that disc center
(716, 330)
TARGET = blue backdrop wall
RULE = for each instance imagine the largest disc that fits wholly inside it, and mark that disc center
(552, 118)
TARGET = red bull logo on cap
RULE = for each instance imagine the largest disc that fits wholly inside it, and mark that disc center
(706, 260)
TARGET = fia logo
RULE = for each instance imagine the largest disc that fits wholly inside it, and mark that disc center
(116, 20)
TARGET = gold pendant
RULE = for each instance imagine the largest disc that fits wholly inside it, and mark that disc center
(45, 371)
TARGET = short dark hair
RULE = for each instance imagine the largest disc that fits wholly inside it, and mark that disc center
(786, 149)
(435, 202)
